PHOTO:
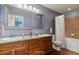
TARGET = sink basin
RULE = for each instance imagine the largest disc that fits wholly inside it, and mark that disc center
(57, 43)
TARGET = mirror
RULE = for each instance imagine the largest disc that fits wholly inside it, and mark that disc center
(16, 18)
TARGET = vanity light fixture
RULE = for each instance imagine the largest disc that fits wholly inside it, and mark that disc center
(28, 7)
(34, 9)
(37, 10)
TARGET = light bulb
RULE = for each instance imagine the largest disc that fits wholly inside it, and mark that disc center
(19, 5)
(37, 10)
(25, 6)
(30, 7)
(34, 9)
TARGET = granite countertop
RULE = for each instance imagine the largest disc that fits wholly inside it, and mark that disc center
(21, 38)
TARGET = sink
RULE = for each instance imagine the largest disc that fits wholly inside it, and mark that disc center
(57, 43)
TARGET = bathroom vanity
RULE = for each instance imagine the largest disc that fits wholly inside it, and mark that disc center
(27, 46)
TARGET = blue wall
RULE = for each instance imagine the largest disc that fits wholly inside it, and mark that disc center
(47, 22)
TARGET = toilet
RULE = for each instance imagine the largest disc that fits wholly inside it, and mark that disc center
(56, 43)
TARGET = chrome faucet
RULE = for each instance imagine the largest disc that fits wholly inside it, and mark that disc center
(30, 30)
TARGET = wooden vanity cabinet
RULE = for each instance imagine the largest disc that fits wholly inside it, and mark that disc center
(36, 46)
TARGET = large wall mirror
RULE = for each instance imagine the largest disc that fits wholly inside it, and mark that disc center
(16, 18)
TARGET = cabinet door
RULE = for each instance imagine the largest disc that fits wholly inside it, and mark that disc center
(35, 47)
(6, 53)
(47, 45)
(41, 45)
(21, 51)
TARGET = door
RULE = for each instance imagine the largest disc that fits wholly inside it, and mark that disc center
(47, 45)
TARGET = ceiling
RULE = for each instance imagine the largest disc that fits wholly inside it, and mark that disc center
(62, 8)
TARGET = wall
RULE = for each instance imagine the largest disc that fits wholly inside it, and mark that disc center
(72, 24)
(48, 21)
(72, 42)
(72, 27)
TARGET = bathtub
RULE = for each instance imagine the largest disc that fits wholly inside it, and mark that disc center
(72, 44)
